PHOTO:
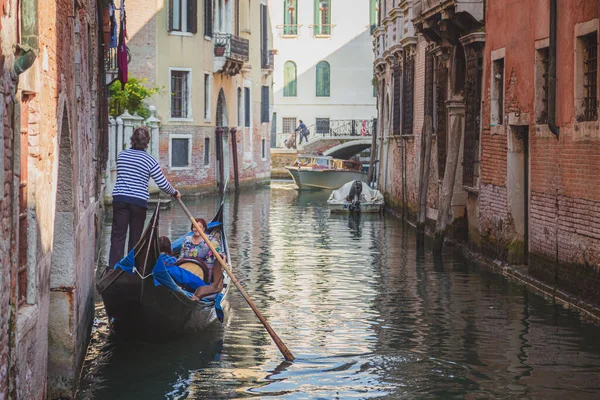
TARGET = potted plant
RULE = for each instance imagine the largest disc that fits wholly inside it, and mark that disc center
(219, 50)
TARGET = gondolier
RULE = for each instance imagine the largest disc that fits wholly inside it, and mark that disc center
(130, 194)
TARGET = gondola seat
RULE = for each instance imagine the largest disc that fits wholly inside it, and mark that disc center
(195, 267)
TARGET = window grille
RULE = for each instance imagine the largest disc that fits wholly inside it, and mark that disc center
(289, 124)
(590, 76)
(179, 94)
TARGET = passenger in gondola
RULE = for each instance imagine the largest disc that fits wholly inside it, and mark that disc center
(194, 246)
(185, 279)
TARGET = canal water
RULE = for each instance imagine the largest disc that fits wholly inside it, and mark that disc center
(365, 314)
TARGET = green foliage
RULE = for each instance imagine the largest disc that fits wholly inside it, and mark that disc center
(132, 98)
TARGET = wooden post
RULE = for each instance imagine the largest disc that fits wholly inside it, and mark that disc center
(221, 167)
(456, 112)
(234, 154)
(426, 137)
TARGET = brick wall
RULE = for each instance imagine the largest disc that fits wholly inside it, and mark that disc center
(564, 206)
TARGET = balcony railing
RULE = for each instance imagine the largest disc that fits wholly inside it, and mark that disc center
(344, 127)
(323, 30)
(289, 30)
(111, 67)
(235, 47)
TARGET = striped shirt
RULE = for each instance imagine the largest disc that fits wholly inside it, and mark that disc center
(134, 169)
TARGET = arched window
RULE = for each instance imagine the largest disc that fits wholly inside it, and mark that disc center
(290, 17)
(323, 79)
(289, 79)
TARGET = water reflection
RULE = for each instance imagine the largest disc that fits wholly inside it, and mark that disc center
(366, 313)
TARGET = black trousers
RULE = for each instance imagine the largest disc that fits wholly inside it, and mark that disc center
(125, 216)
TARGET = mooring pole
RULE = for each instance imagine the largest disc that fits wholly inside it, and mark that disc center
(220, 158)
(236, 178)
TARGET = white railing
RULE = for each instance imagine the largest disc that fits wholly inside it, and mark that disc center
(120, 130)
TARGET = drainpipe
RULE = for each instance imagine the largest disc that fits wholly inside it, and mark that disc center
(552, 71)
(28, 47)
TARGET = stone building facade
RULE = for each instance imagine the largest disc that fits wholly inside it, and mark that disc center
(213, 63)
(428, 63)
(540, 170)
(52, 148)
(526, 181)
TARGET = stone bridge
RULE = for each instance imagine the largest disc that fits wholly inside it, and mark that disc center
(336, 146)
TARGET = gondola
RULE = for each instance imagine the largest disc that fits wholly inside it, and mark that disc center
(140, 295)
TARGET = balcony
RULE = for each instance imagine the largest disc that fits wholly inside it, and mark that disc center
(231, 52)
(289, 31)
(447, 19)
(322, 31)
(267, 60)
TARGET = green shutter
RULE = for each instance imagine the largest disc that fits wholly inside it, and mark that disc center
(373, 15)
(290, 17)
(323, 79)
(289, 79)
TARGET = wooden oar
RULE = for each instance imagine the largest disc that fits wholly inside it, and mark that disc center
(282, 347)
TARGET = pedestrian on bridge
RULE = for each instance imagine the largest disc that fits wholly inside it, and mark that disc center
(304, 132)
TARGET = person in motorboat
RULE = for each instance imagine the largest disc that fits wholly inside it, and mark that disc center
(186, 279)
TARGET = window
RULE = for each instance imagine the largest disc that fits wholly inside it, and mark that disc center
(181, 151)
(264, 36)
(180, 94)
(247, 107)
(397, 99)
(497, 116)
(264, 149)
(264, 103)
(590, 76)
(373, 10)
(207, 97)
(290, 18)
(240, 107)
(408, 77)
(289, 124)
(289, 79)
(183, 16)
(208, 18)
(206, 151)
(322, 126)
(322, 26)
(323, 79)
(541, 85)
(23, 205)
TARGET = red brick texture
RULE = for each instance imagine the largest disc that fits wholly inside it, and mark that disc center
(564, 207)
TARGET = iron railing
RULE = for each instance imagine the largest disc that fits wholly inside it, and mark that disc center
(236, 48)
(267, 60)
(344, 127)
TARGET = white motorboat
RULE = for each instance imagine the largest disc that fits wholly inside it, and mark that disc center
(356, 197)
(324, 172)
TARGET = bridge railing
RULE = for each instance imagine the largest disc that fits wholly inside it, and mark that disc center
(344, 127)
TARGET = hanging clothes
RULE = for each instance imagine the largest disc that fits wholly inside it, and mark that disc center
(113, 42)
(122, 49)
